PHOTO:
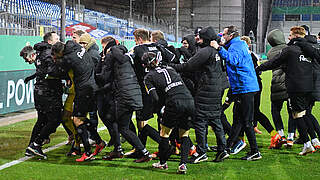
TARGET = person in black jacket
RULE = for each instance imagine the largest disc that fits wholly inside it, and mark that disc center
(136, 53)
(127, 98)
(179, 107)
(47, 92)
(89, 43)
(313, 122)
(72, 56)
(208, 95)
(299, 81)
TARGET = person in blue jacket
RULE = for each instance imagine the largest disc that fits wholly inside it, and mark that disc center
(243, 83)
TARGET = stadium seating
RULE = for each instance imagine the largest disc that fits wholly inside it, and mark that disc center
(47, 13)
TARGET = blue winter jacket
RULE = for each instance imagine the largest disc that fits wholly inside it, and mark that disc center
(240, 69)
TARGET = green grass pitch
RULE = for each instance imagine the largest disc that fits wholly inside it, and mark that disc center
(275, 164)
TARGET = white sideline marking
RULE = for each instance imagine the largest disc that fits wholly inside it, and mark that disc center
(12, 163)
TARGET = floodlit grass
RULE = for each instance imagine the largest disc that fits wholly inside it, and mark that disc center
(275, 164)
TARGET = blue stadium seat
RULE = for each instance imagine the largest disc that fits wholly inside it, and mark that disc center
(277, 17)
(315, 17)
(306, 17)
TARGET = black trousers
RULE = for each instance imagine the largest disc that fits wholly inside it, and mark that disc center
(120, 122)
(47, 123)
(259, 116)
(104, 103)
(276, 107)
(243, 110)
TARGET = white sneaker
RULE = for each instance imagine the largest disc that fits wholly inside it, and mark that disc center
(306, 150)
(315, 143)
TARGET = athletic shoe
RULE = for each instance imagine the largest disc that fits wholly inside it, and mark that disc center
(192, 150)
(257, 131)
(182, 169)
(28, 153)
(274, 141)
(199, 158)
(289, 143)
(252, 156)
(37, 150)
(220, 156)
(131, 154)
(155, 154)
(99, 148)
(113, 155)
(307, 150)
(85, 157)
(282, 141)
(213, 148)
(160, 166)
(74, 151)
(144, 158)
(316, 144)
(238, 147)
(298, 141)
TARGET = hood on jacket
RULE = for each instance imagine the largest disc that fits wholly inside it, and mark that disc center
(162, 42)
(71, 47)
(276, 37)
(311, 38)
(191, 41)
(208, 33)
(42, 46)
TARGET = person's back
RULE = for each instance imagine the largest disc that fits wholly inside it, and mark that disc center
(278, 89)
(82, 65)
(169, 84)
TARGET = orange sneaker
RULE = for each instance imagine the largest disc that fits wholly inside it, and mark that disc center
(99, 148)
(275, 140)
(85, 157)
(192, 150)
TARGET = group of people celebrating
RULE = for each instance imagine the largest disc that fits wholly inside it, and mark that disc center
(183, 86)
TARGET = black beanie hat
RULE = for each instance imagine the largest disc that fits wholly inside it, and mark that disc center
(208, 33)
(197, 30)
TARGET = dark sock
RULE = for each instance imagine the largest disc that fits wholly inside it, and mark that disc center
(93, 131)
(152, 133)
(185, 146)
(83, 133)
(163, 149)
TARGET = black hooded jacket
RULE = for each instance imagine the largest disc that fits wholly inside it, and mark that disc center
(125, 86)
(48, 89)
(314, 47)
(76, 58)
(299, 77)
(94, 53)
(208, 91)
(187, 53)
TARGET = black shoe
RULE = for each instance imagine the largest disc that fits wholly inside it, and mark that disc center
(199, 158)
(37, 151)
(144, 158)
(252, 156)
(298, 141)
(113, 155)
(220, 156)
(28, 153)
